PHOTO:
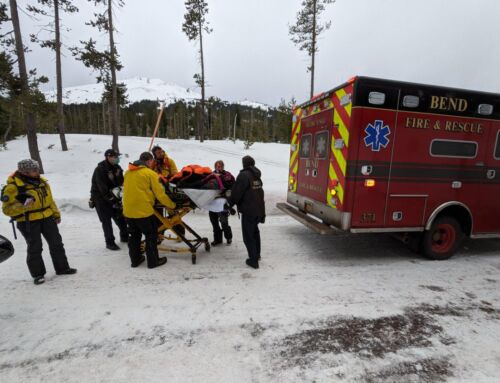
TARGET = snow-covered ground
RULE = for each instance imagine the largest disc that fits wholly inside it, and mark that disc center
(342, 308)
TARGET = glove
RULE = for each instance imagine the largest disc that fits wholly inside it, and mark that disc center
(263, 219)
(229, 209)
(117, 206)
(91, 203)
(57, 220)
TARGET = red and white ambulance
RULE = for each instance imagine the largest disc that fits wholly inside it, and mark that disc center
(374, 155)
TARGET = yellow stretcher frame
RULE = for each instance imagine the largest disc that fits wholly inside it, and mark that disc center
(171, 222)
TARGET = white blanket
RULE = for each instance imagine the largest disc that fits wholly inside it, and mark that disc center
(206, 199)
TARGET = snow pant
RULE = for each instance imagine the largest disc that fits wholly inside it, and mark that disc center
(106, 213)
(251, 235)
(136, 228)
(223, 217)
(32, 233)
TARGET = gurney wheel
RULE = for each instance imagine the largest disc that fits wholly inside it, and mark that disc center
(193, 259)
(207, 246)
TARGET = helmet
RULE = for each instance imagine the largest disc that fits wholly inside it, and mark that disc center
(6, 249)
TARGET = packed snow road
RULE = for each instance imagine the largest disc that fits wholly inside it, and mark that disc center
(346, 308)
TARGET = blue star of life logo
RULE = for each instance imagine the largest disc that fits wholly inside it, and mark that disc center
(377, 135)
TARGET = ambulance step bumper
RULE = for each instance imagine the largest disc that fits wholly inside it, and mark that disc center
(306, 220)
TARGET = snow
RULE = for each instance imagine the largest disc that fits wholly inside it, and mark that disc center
(138, 89)
(254, 104)
(220, 321)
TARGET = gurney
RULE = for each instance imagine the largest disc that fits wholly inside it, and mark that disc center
(186, 200)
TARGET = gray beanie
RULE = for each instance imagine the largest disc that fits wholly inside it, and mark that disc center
(28, 165)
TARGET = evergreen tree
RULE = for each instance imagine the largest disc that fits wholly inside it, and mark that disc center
(28, 95)
(194, 25)
(105, 62)
(304, 33)
(55, 44)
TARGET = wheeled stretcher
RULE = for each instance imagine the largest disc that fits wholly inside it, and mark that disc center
(172, 220)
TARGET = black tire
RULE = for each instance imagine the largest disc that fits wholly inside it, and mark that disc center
(443, 239)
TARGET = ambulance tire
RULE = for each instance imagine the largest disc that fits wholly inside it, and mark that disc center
(443, 239)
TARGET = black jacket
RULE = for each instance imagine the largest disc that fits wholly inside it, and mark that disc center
(247, 193)
(105, 178)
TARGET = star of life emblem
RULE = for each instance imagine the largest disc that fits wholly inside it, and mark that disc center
(377, 135)
(321, 146)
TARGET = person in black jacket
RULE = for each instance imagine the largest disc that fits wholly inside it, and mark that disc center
(248, 195)
(108, 175)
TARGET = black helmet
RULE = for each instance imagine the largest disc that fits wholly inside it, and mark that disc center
(6, 249)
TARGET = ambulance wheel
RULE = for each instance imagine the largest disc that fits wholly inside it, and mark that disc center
(193, 259)
(443, 239)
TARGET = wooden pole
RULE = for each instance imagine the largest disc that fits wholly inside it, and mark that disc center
(157, 125)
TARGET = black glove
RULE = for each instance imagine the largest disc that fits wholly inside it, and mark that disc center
(117, 206)
(263, 219)
(91, 203)
(229, 209)
(23, 197)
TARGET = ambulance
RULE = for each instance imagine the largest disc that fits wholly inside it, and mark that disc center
(383, 156)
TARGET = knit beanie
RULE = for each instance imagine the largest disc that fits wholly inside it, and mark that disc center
(28, 165)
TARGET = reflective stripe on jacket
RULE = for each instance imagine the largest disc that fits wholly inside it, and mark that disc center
(42, 207)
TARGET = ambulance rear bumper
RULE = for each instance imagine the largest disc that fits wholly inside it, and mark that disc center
(327, 215)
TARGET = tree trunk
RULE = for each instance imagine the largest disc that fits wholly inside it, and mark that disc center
(6, 134)
(313, 49)
(114, 96)
(60, 112)
(25, 92)
(202, 119)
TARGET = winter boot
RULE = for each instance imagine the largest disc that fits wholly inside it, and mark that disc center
(67, 271)
(39, 280)
(251, 263)
(112, 246)
(141, 259)
(161, 261)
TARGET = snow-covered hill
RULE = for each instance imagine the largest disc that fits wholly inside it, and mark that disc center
(138, 89)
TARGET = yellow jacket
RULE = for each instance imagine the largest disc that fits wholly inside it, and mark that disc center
(141, 189)
(166, 167)
(42, 207)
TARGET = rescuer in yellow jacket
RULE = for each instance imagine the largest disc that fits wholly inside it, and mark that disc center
(164, 165)
(141, 189)
(28, 200)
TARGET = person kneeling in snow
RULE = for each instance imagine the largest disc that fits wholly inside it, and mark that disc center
(27, 199)
(141, 189)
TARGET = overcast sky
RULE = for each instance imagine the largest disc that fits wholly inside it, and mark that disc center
(249, 53)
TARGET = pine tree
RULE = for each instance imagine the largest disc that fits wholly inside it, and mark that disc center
(28, 94)
(105, 62)
(194, 25)
(307, 28)
(56, 45)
